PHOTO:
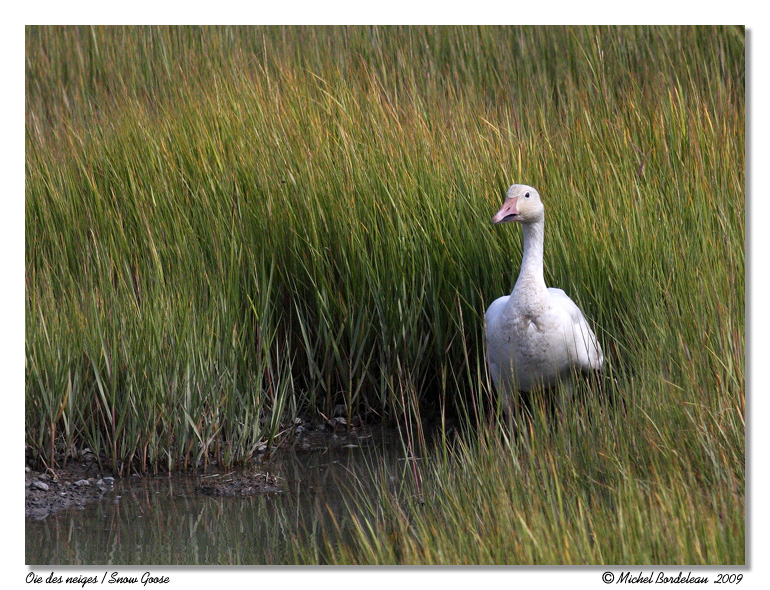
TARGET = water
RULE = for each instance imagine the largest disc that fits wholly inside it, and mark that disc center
(163, 521)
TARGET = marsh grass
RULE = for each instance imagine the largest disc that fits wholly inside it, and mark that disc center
(229, 227)
(575, 496)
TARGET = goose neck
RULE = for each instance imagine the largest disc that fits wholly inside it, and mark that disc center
(531, 272)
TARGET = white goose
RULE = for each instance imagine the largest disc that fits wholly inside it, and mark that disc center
(536, 336)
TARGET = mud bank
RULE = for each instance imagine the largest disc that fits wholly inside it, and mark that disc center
(82, 480)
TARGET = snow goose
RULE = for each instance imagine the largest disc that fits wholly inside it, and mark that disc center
(536, 336)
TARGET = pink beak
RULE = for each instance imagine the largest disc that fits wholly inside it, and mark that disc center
(508, 212)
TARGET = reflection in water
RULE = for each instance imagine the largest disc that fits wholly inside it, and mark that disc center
(163, 521)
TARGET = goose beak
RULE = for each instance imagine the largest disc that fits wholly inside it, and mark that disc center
(508, 212)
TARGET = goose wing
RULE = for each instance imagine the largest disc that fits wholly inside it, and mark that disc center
(587, 351)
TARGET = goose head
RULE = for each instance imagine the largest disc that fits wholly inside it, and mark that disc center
(522, 203)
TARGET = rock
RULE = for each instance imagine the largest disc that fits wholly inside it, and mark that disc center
(338, 423)
(40, 485)
(82, 482)
(105, 482)
(238, 484)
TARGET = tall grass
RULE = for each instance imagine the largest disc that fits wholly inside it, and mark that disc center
(226, 227)
(575, 496)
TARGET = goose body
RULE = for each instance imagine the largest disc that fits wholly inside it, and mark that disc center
(536, 336)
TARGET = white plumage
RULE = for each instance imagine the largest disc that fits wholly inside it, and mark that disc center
(536, 336)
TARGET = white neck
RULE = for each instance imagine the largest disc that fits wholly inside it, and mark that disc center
(531, 273)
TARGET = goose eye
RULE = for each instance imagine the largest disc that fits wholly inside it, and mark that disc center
(527, 195)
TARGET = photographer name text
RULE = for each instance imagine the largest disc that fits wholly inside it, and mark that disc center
(668, 578)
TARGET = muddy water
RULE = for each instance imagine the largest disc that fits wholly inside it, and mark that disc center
(164, 521)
